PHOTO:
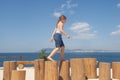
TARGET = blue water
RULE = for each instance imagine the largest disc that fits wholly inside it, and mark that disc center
(101, 56)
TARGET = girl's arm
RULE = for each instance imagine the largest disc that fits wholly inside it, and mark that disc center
(51, 39)
(62, 31)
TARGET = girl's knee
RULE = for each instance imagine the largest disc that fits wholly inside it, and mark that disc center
(58, 48)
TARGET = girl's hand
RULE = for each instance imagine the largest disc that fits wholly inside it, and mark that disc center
(68, 36)
(51, 39)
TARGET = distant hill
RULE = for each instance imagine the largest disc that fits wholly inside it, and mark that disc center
(79, 50)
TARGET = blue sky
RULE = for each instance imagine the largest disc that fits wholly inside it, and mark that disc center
(26, 25)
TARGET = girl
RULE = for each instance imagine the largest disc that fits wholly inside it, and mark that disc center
(57, 36)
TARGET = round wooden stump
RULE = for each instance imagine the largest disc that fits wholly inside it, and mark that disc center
(51, 70)
(77, 69)
(18, 75)
(116, 70)
(8, 67)
(104, 71)
(90, 67)
(64, 70)
(39, 66)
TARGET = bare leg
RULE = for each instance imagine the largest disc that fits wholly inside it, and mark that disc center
(53, 53)
(62, 53)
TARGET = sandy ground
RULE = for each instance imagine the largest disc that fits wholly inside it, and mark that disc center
(30, 74)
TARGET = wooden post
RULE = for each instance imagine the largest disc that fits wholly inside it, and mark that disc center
(12, 66)
(18, 75)
(39, 69)
(64, 70)
(51, 70)
(116, 70)
(104, 71)
(25, 62)
(6, 75)
(8, 67)
(90, 67)
(77, 69)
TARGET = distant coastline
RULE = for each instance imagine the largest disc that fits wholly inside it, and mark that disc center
(81, 50)
(48, 50)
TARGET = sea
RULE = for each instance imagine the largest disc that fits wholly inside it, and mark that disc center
(30, 56)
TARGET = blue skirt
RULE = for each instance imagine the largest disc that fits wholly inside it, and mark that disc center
(58, 40)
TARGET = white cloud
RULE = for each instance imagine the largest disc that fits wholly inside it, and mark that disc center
(66, 7)
(118, 5)
(117, 32)
(63, 6)
(70, 5)
(118, 26)
(82, 30)
(57, 14)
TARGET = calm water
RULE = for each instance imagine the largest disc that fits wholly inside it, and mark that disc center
(101, 56)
